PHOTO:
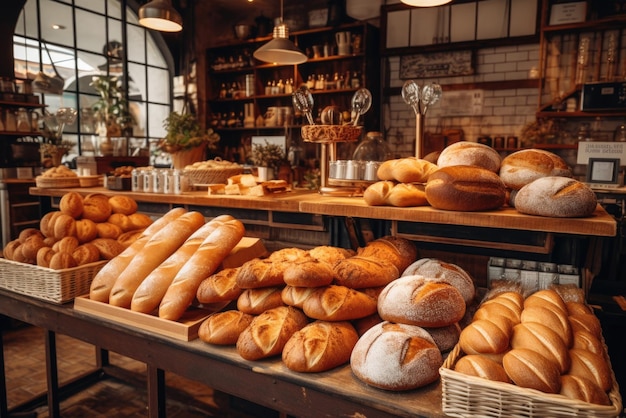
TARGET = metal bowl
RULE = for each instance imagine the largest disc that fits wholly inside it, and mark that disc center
(243, 31)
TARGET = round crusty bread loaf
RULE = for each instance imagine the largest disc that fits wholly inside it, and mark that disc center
(445, 337)
(529, 369)
(121, 220)
(260, 273)
(86, 230)
(470, 153)
(591, 366)
(71, 203)
(320, 346)
(396, 357)
(64, 226)
(543, 340)
(376, 194)
(219, 287)
(86, 253)
(338, 303)
(31, 246)
(257, 301)
(308, 272)
(46, 224)
(268, 333)
(224, 328)
(524, 166)
(558, 197)
(96, 207)
(583, 389)
(62, 260)
(465, 188)
(483, 337)
(421, 301)
(481, 366)
(400, 251)
(330, 254)
(123, 204)
(448, 272)
(360, 272)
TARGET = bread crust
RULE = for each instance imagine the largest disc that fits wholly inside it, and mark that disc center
(224, 328)
(481, 366)
(219, 287)
(470, 154)
(338, 303)
(529, 369)
(523, 167)
(558, 197)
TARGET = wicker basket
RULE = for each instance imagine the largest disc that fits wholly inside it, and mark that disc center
(90, 181)
(331, 133)
(211, 175)
(58, 286)
(56, 182)
(470, 396)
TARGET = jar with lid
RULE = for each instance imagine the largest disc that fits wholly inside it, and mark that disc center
(373, 148)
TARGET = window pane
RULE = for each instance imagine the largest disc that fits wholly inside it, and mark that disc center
(27, 23)
(136, 43)
(94, 6)
(137, 89)
(157, 114)
(159, 81)
(114, 9)
(53, 13)
(155, 56)
(138, 111)
(90, 31)
(115, 38)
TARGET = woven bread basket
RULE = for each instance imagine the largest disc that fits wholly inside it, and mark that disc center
(212, 171)
(54, 182)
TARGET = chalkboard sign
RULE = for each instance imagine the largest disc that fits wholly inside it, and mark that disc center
(436, 64)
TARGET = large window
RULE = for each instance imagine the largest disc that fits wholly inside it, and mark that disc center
(80, 39)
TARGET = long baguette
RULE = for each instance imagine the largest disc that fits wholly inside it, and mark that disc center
(150, 292)
(157, 249)
(103, 282)
(207, 258)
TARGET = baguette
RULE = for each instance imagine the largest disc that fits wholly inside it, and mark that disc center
(151, 290)
(201, 265)
(157, 249)
(104, 280)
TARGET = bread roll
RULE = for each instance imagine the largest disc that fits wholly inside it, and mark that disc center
(445, 337)
(224, 328)
(122, 221)
(406, 170)
(591, 366)
(287, 255)
(396, 357)
(499, 314)
(96, 207)
(139, 220)
(67, 245)
(360, 272)
(417, 300)
(64, 226)
(129, 237)
(20, 257)
(108, 247)
(546, 298)
(585, 340)
(123, 204)
(400, 251)
(85, 254)
(151, 290)
(481, 366)
(308, 272)
(260, 273)
(62, 260)
(86, 230)
(29, 232)
(71, 203)
(338, 303)
(268, 333)
(295, 296)
(387, 193)
(552, 318)
(558, 197)
(511, 299)
(160, 246)
(577, 308)
(483, 337)
(46, 225)
(44, 255)
(320, 346)
(9, 249)
(545, 341)
(586, 322)
(108, 230)
(376, 194)
(529, 369)
(583, 389)
(465, 188)
(329, 254)
(104, 280)
(524, 166)
(219, 287)
(448, 272)
(204, 262)
(257, 301)
(471, 154)
(31, 245)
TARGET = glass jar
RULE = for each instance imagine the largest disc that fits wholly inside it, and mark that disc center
(373, 148)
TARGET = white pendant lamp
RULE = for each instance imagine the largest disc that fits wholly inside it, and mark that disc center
(280, 50)
(160, 15)
(426, 3)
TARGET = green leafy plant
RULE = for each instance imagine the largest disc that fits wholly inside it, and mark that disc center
(267, 155)
(111, 109)
(184, 132)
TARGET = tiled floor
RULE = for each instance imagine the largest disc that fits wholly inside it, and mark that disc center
(24, 354)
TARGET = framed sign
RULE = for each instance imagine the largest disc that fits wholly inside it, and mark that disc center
(603, 170)
(562, 13)
(436, 64)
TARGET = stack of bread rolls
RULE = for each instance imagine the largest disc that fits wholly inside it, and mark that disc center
(84, 230)
(162, 270)
(540, 342)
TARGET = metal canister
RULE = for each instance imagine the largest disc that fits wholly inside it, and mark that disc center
(147, 180)
(371, 170)
(157, 181)
(136, 180)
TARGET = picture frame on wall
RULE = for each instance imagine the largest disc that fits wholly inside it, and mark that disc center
(603, 171)
(570, 12)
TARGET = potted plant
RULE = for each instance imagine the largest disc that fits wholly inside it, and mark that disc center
(110, 110)
(185, 140)
(267, 158)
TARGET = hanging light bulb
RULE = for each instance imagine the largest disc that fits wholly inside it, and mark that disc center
(426, 3)
(280, 50)
(160, 15)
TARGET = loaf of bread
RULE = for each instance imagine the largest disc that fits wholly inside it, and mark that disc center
(586, 322)
(377, 194)
(523, 167)
(529, 369)
(406, 170)
(122, 221)
(552, 318)
(360, 272)
(583, 389)
(109, 248)
(219, 287)
(204, 262)
(139, 220)
(308, 272)
(62, 260)
(64, 226)
(96, 207)
(330, 254)
(86, 230)
(396, 357)
(448, 272)
(31, 245)
(559, 197)
(470, 153)
(586, 341)
(400, 251)
(256, 301)
(574, 307)
(104, 280)
(86, 253)
(268, 333)
(129, 237)
(591, 366)
(108, 230)
(465, 188)
(224, 328)
(295, 296)
(481, 366)
(483, 336)
(547, 298)
(421, 301)
(257, 273)
(338, 303)
(46, 224)
(71, 203)
(150, 291)
(44, 255)
(387, 193)
(320, 346)
(542, 339)
(123, 204)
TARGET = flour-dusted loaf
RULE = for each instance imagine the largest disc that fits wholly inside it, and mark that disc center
(470, 153)
(268, 333)
(524, 166)
(396, 357)
(465, 188)
(320, 346)
(338, 303)
(330, 254)
(450, 273)
(529, 369)
(224, 328)
(445, 337)
(421, 301)
(559, 197)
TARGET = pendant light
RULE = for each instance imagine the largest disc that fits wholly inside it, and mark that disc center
(160, 15)
(426, 3)
(280, 50)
